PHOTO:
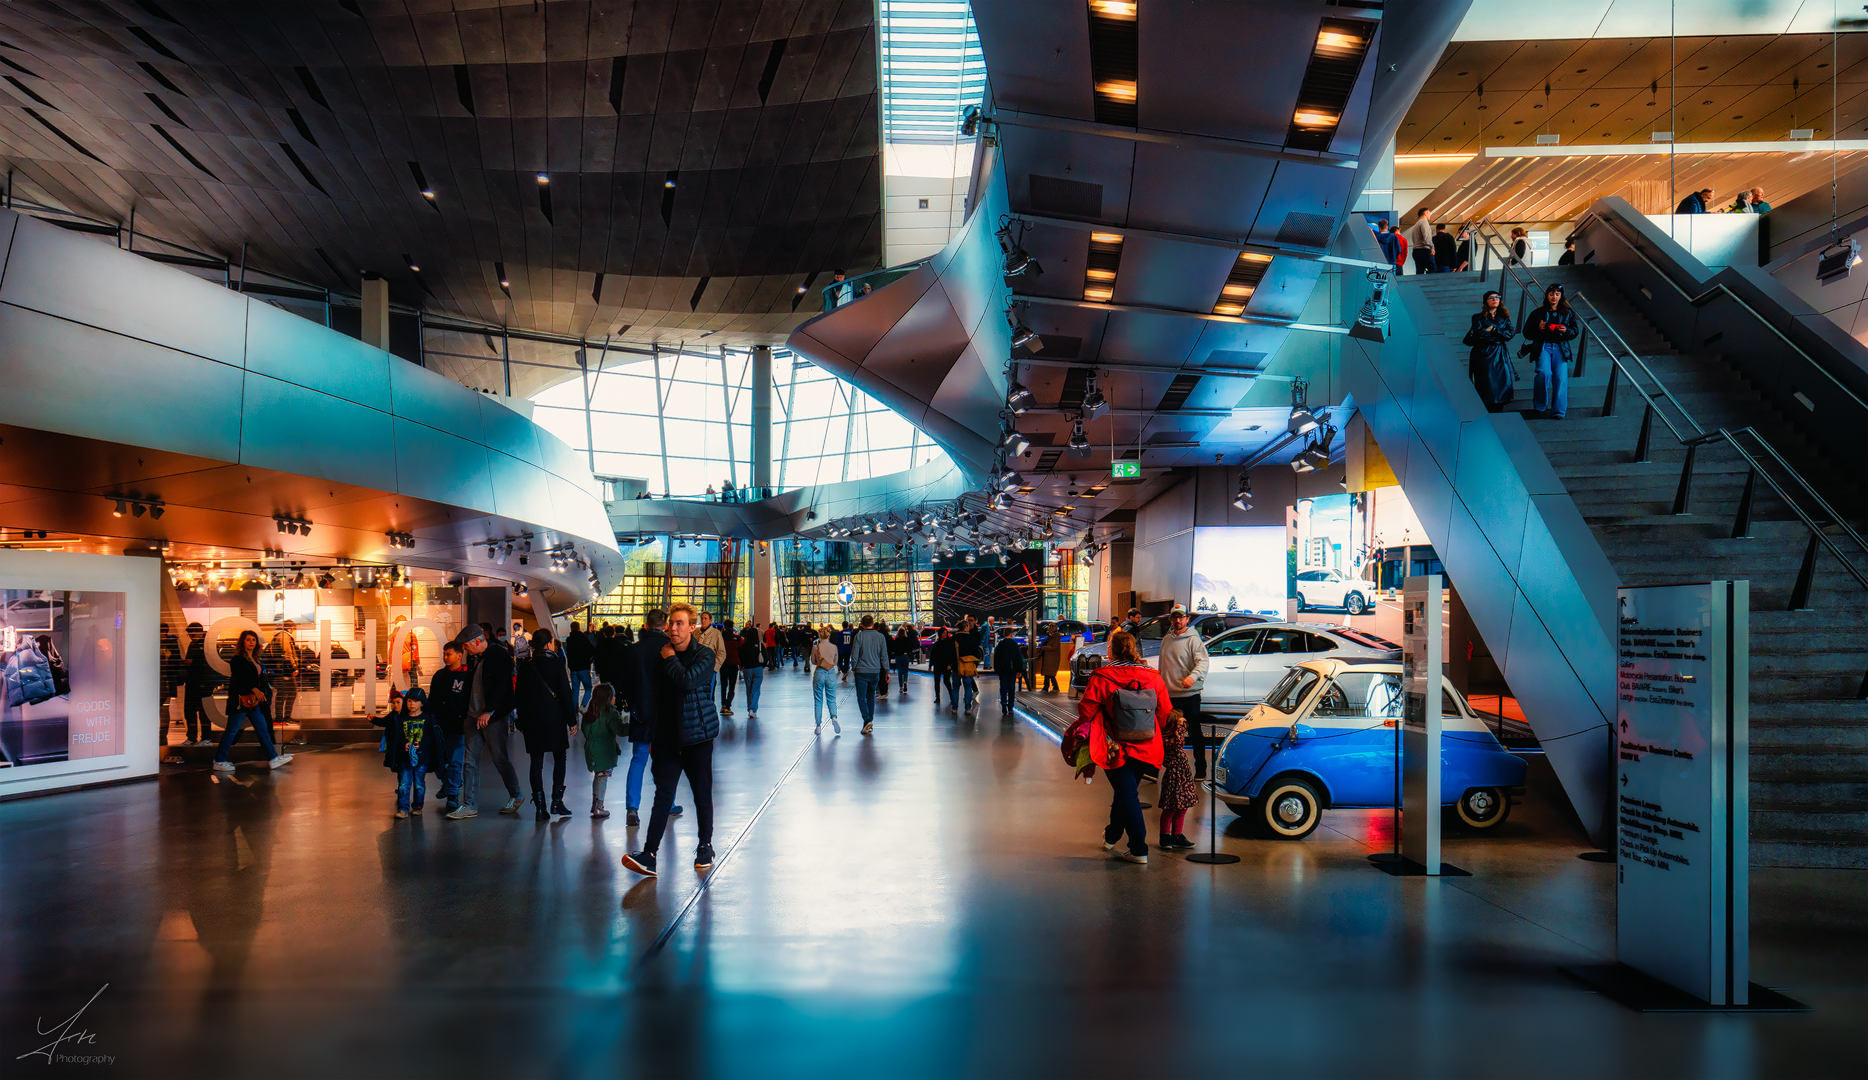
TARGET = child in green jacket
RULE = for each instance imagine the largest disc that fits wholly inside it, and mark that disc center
(603, 726)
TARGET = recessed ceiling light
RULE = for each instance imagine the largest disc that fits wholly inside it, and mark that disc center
(1098, 293)
(1114, 9)
(1105, 238)
(1254, 256)
(668, 183)
(1336, 39)
(504, 284)
(544, 178)
(1237, 290)
(1313, 118)
(428, 193)
(1100, 275)
(1228, 309)
(1120, 89)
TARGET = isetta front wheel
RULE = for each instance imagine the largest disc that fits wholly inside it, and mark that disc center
(1289, 809)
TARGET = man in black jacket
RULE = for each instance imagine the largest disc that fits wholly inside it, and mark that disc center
(198, 682)
(685, 724)
(944, 658)
(580, 654)
(636, 687)
(489, 717)
(1008, 663)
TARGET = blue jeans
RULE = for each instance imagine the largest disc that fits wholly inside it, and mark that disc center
(823, 690)
(261, 728)
(1125, 808)
(755, 678)
(1550, 392)
(638, 764)
(582, 683)
(866, 685)
(453, 755)
(901, 673)
(951, 679)
(411, 788)
(972, 693)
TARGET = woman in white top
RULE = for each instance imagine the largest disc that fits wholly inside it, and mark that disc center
(824, 679)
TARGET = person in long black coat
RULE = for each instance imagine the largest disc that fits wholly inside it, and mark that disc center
(1490, 361)
(547, 713)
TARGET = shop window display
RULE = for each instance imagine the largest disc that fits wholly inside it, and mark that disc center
(62, 664)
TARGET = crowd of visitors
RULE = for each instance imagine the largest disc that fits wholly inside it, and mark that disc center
(661, 693)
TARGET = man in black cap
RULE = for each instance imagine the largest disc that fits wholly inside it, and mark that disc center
(489, 712)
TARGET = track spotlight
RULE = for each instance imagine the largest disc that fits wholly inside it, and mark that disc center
(121, 507)
(1372, 321)
(1094, 403)
(1015, 444)
(969, 122)
(1017, 260)
(971, 558)
(1018, 399)
(136, 509)
(1243, 500)
(1079, 442)
(1302, 421)
(1007, 480)
(1024, 338)
(157, 509)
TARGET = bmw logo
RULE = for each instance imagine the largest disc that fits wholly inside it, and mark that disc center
(846, 592)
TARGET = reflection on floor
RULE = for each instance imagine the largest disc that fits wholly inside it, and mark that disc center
(930, 901)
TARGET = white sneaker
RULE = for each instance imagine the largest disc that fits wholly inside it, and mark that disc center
(281, 760)
(1128, 856)
(752, 716)
(223, 766)
(836, 727)
(463, 813)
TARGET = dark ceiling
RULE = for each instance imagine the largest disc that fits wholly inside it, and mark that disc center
(1619, 90)
(705, 158)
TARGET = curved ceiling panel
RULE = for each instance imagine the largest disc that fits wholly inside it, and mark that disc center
(286, 418)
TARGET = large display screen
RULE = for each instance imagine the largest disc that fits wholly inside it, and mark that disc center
(1239, 568)
(62, 666)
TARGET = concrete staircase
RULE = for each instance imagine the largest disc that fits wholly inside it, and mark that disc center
(1809, 730)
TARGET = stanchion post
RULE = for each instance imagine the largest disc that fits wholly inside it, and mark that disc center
(1212, 856)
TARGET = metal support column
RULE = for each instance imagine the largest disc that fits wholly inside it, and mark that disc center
(726, 405)
(505, 359)
(590, 438)
(661, 433)
(762, 419)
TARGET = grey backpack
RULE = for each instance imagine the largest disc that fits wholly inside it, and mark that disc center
(1129, 713)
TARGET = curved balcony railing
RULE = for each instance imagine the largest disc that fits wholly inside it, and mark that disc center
(839, 293)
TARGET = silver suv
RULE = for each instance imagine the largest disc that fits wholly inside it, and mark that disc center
(1088, 658)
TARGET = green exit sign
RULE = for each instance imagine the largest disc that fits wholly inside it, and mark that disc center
(1129, 469)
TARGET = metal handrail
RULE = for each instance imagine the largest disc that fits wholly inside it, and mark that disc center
(875, 279)
(1490, 233)
(1704, 297)
(1829, 512)
(1819, 527)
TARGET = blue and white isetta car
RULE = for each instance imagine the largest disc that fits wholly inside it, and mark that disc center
(1325, 737)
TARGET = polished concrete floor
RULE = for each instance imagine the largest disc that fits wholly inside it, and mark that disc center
(931, 901)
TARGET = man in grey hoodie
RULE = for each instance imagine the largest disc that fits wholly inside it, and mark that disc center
(869, 655)
(1183, 668)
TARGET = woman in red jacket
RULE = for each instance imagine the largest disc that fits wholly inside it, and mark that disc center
(1122, 761)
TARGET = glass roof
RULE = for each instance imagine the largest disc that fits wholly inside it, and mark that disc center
(932, 69)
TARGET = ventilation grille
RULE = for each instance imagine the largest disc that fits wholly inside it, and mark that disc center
(1306, 230)
(1102, 266)
(1076, 384)
(1066, 198)
(1048, 461)
(1335, 60)
(1177, 392)
(1056, 347)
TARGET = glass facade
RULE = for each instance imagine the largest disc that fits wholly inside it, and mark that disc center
(892, 585)
(682, 422)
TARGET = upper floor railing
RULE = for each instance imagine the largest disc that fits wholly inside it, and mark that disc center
(839, 293)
